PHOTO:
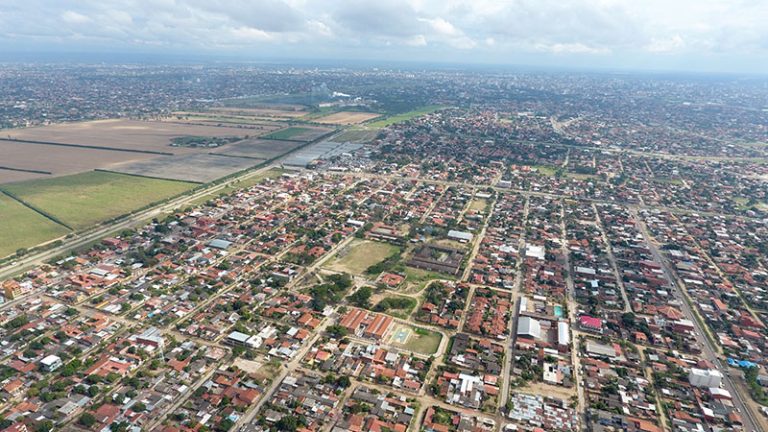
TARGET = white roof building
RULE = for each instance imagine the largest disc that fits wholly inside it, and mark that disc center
(527, 326)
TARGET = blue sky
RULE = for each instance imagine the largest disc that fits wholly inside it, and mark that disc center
(699, 35)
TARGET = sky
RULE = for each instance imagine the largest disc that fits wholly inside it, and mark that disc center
(694, 35)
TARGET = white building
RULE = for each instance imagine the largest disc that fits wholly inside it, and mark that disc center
(705, 378)
(51, 363)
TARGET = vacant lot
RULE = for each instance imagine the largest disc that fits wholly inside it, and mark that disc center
(85, 199)
(398, 118)
(58, 160)
(258, 148)
(199, 168)
(298, 133)
(416, 339)
(347, 117)
(126, 134)
(22, 227)
(359, 255)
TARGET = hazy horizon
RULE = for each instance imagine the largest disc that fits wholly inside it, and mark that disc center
(695, 36)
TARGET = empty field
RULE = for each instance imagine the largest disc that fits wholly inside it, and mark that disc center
(125, 134)
(398, 118)
(347, 117)
(199, 168)
(22, 227)
(298, 133)
(415, 339)
(86, 199)
(58, 160)
(258, 148)
(359, 255)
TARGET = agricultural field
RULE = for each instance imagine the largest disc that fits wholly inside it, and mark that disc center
(11, 176)
(347, 117)
(399, 118)
(273, 112)
(258, 148)
(359, 255)
(57, 160)
(198, 168)
(298, 133)
(358, 136)
(22, 227)
(83, 200)
(256, 125)
(151, 136)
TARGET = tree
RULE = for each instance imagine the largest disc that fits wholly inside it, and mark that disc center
(361, 297)
(337, 331)
(287, 424)
(87, 420)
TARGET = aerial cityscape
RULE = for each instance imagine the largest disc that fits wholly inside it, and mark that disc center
(322, 246)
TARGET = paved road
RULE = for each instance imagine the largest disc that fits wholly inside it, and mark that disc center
(709, 350)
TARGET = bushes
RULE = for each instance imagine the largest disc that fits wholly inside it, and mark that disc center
(401, 303)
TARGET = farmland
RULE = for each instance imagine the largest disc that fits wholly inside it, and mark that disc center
(198, 168)
(361, 136)
(298, 133)
(23, 227)
(154, 136)
(258, 148)
(85, 199)
(347, 117)
(57, 160)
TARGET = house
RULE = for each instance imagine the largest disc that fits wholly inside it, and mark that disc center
(591, 324)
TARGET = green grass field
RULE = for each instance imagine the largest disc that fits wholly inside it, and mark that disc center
(420, 340)
(417, 279)
(22, 227)
(291, 133)
(82, 200)
(361, 254)
(360, 136)
(398, 118)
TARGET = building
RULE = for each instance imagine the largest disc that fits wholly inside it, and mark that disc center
(705, 378)
(51, 363)
(529, 327)
(461, 236)
(13, 289)
(563, 335)
(151, 337)
(591, 324)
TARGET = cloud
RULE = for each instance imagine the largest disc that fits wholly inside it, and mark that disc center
(457, 30)
(666, 45)
(572, 48)
(71, 17)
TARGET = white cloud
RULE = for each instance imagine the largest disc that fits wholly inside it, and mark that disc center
(72, 17)
(446, 29)
(666, 45)
(416, 41)
(571, 48)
